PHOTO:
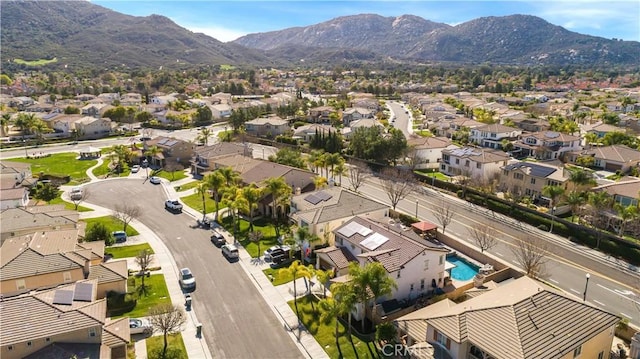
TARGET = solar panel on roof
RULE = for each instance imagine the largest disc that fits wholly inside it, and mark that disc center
(374, 241)
(171, 143)
(163, 141)
(83, 292)
(323, 195)
(353, 228)
(64, 297)
(312, 199)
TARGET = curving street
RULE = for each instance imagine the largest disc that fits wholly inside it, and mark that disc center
(237, 323)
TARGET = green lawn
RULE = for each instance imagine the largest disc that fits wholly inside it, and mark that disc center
(195, 201)
(61, 164)
(268, 234)
(127, 251)
(102, 170)
(112, 224)
(324, 333)
(175, 345)
(187, 186)
(431, 173)
(423, 133)
(171, 176)
(69, 205)
(39, 62)
(156, 293)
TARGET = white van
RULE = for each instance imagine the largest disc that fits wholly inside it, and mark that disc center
(230, 251)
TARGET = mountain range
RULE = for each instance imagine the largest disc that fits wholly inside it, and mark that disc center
(85, 35)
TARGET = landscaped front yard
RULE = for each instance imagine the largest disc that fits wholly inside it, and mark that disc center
(156, 293)
(262, 225)
(68, 205)
(171, 176)
(127, 251)
(112, 224)
(324, 333)
(61, 164)
(195, 201)
(175, 346)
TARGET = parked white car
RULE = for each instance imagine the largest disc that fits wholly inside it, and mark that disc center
(187, 281)
(140, 326)
(155, 180)
(135, 168)
(76, 193)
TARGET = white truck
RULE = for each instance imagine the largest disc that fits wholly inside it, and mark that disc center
(173, 205)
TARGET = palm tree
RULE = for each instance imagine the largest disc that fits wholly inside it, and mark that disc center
(230, 176)
(236, 203)
(598, 201)
(323, 277)
(280, 193)
(214, 182)
(320, 182)
(5, 120)
(333, 159)
(152, 152)
(296, 270)
(340, 170)
(25, 121)
(590, 138)
(581, 179)
(252, 195)
(626, 214)
(380, 284)
(202, 190)
(574, 200)
(204, 136)
(553, 193)
(312, 159)
(332, 308)
(39, 128)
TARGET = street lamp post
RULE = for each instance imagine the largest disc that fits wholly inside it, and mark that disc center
(586, 285)
(553, 212)
(24, 143)
(416, 208)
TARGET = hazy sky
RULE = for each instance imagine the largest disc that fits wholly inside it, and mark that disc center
(228, 20)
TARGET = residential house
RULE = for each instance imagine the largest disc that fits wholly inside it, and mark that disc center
(46, 259)
(270, 127)
(18, 222)
(18, 172)
(529, 178)
(601, 129)
(320, 114)
(306, 133)
(323, 211)
(366, 102)
(13, 195)
(222, 98)
(547, 145)
(428, 151)
(446, 127)
(356, 113)
(476, 163)
(66, 322)
(205, 156)
(625, 191)
(519, 319)
(64, 124)
(492, 135)
(347, 132)
(163, 99)
(83, 97)
(417, 266)
(91, 128)
(131, 99)
(109, 97)
(526, 123)
(172, 150)
(94, 109)
(111, 276)
(220, 111)
(611, 158)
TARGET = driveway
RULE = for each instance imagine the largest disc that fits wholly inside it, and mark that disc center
(237, 323)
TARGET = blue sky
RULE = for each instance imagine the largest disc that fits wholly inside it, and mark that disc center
(228, 20)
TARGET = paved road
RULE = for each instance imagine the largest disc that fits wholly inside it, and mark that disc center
(237, 323)
(402, 118)
(611, 287)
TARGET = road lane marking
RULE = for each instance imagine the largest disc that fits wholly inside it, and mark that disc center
(554, 281)
(575, 291)
(500, 254)
(626, 315)
(600, 304)
(618, 293)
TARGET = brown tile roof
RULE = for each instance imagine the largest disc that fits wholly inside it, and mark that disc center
(482, 155)
(238, 163)
(520, 319)
(116, 332)
(30, 263)
(223, 149)
(111, 271)
(629, 188)
(340, 256)
(618, 153)
(13, 193)
(429, 142)
(342, 204)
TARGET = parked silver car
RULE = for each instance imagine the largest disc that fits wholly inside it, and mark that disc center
(140, 326)
(187, 281)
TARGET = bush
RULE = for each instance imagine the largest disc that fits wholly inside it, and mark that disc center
(460, 193)
(99, 232)
(298, 124)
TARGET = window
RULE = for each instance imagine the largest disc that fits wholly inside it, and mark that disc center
(10, 347)
(411, 287)
(47, 339)
(29, 343)
(92, 332)
(478, 165)
(426, 264)
(66, 276)
(457, 161)
(466, 163)
(398, 275)
(20, 284)
(533, 181)
(421, 284)
(441, 260)
(577, 351)
(601, 355)
(493, 135)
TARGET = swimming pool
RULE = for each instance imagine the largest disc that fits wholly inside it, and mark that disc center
(463, 270)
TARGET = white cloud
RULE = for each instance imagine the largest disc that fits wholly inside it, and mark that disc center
(218, 33)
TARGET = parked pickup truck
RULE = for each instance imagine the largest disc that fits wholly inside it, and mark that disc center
(173, 205)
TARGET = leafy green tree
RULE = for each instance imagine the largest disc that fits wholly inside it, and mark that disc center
(252, 195)
(280, 193)
(25, 122)
(553, 193)
(99, 232)
(288, 157)
(370, 283)
(45, 192)
(203, 115)
(71, 110)
(575, 200)
(296, 270)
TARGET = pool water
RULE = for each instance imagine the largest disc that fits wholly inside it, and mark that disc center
(463, 270)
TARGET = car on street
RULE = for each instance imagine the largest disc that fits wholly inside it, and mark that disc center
(76, 194)
(187, 280)
(173, 205)
(120, 236)
(217, 238)
(140, 326)
(135, 168)
(154, 180)
(231, 252)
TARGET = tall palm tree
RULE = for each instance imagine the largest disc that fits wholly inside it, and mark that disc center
(202, 190)
(332, 308)
(39, 128)
(581, 179)
(25, 121)
(152, 152)
(598, 201)
(252, 195)
(379, 283)
(553, 193)
(320, 182)
(231, 177)
(575, 200)
(340, 169)
(296, 270)
(276, 186)
(5, 120)
(204, 136)
(321, 163)
(236, 203)
(323, 277)
(312, 159)
(214, 182)
(626, 214)
(333, 159)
